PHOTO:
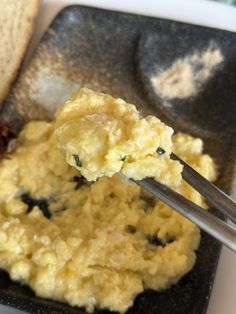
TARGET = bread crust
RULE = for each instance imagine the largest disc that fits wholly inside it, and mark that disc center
(22, 49)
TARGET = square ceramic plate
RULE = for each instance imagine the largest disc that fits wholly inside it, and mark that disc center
(117, 53)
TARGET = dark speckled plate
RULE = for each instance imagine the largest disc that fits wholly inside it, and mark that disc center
(117, 53)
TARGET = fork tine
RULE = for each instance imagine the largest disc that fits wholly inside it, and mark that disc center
(205, 220)
(211, 192)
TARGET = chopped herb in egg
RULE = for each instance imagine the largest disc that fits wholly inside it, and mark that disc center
(77, 161)
(130, 229)
(160, 150)
(154, 240)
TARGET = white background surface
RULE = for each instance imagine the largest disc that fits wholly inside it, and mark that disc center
(223, 298)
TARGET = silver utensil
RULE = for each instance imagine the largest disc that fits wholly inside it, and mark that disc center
(213, 225)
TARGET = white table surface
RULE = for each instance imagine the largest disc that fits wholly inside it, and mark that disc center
(223, 297)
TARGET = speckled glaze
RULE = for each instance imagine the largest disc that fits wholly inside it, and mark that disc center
(117, 53)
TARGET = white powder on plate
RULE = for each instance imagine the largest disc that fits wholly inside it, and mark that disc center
(51, 89)
(186, 76)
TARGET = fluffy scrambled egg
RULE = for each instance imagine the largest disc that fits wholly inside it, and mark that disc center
(95, 244)
(102, 136)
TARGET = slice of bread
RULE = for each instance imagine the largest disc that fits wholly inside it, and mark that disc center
(17, 19)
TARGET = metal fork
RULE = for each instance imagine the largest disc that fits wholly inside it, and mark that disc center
(213, 225)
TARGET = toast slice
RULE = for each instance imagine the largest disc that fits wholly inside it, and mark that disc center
(17, 19)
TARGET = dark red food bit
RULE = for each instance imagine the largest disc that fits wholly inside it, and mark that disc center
(7, 137)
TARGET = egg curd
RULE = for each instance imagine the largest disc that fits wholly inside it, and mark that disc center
(96, 245)
(102, 136)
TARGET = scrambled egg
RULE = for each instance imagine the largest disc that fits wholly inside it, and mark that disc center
(102, 136)
(95, 244)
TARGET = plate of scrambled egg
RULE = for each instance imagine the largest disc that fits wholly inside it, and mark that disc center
(73, 227)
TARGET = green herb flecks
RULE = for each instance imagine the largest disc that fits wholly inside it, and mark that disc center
(77, 161)
(154, 240)
(42, 204)
(130, 229)
(123, 158)
(80, 181)
(160, 151)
